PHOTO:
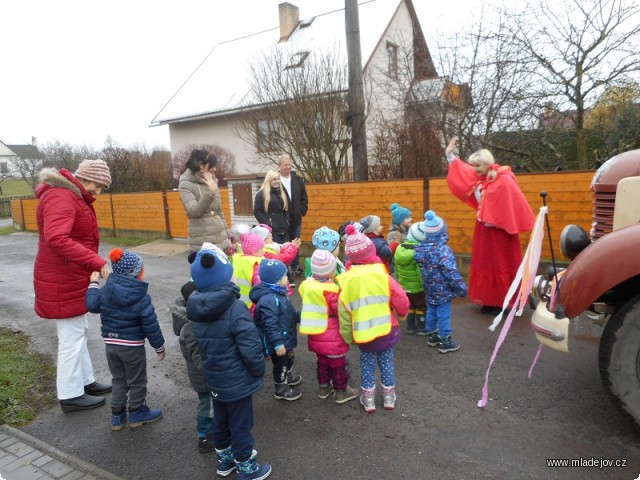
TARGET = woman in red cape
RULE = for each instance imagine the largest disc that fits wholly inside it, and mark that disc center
(503, 213)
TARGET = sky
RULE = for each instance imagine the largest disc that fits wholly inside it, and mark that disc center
(80, 71)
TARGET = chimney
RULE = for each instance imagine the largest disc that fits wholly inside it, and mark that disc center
(289, 19)
(34, 141)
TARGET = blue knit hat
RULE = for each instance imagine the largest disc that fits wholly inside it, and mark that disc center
(434, 226)
(325, 239)
(271, 271)
(211, 268)
(399, 214)
(125, 263)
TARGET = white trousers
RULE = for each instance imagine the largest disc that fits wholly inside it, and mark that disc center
(74, 363)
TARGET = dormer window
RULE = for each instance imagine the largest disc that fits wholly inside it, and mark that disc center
(392, 60)
(297, 59)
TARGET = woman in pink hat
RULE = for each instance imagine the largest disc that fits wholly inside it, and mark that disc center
(67, 254)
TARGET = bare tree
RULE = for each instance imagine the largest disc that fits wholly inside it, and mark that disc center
(135, 169)
(29, 168)
(576, 49)
(303, 112)
(61, 154)
(226, 166)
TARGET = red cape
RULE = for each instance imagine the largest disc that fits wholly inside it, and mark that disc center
(502, 204)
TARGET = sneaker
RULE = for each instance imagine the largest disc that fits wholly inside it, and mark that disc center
(143, 415)
(324, 391)
(389, 397)
(285, 392)
(292, 379)
(368, 401)
(298, 271)
(118, 421)
(205, 444)
(448, 345)
(433, 339)
(343, 396)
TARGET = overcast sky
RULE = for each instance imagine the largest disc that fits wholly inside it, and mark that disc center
(79, 71)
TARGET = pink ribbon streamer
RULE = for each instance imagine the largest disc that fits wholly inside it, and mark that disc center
(525, 279)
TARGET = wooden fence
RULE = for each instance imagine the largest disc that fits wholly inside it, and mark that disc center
(162, 214)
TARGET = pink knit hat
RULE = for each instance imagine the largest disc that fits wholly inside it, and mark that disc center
(323, 264)
(251, 243)
(359, 248)
(96, 171)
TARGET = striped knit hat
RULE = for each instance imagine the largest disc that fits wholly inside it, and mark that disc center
(416, 232)
(370, 223)
(323, 264)
(96, 171)
(359, 248)
(434, 226)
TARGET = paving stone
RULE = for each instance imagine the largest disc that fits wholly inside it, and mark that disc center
(56, 469)
(73, 475)
(42, 460)
(19, 449)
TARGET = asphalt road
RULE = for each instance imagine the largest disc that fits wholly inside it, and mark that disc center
(436, 430)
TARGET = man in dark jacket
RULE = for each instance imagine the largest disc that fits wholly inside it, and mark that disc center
(298, 203)
(232, 361)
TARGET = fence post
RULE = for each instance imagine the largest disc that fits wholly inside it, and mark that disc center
(165, 204)
(113, 215)
(24, 222)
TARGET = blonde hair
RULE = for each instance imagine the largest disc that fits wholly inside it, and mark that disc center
(266, 189)
(484, 157)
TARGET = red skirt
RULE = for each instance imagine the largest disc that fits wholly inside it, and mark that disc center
(495, 258)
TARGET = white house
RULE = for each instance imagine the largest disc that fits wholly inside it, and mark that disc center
(11, 155)
(208, 106)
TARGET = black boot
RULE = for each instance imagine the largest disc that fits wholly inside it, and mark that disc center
(97, 389)
(83, 402)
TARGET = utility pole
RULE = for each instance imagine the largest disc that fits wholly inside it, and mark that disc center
(356, 92)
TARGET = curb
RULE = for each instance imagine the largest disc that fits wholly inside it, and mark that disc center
(59, 455)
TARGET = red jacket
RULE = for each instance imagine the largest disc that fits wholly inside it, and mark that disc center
(68, 241)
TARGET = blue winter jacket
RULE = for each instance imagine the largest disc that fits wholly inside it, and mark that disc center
(228, 341)
(442, 280)
(275, 317)
(126, 312)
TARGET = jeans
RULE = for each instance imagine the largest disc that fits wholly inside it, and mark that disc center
(204, 420)
(439, 319)
(74, 363)
(232, 424)
(368, 361)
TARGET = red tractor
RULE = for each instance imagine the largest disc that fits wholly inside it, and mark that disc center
(602, 280)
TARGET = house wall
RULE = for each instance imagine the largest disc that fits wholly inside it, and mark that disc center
(569, 199)
(219, 131)
(386, 93)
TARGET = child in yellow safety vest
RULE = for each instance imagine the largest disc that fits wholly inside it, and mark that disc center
(368, 303)
(319, 320)
(246, 265)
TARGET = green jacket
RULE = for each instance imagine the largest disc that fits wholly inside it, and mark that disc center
(407, 271)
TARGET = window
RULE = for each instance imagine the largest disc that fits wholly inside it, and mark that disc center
(4, 168)
(392, 60)
(266, 131)
(297, 59)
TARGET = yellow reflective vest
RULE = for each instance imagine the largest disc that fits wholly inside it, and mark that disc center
(365, 293)
(243, 271)
(314, 317)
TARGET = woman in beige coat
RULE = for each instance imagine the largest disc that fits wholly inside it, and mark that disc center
(200, 196)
